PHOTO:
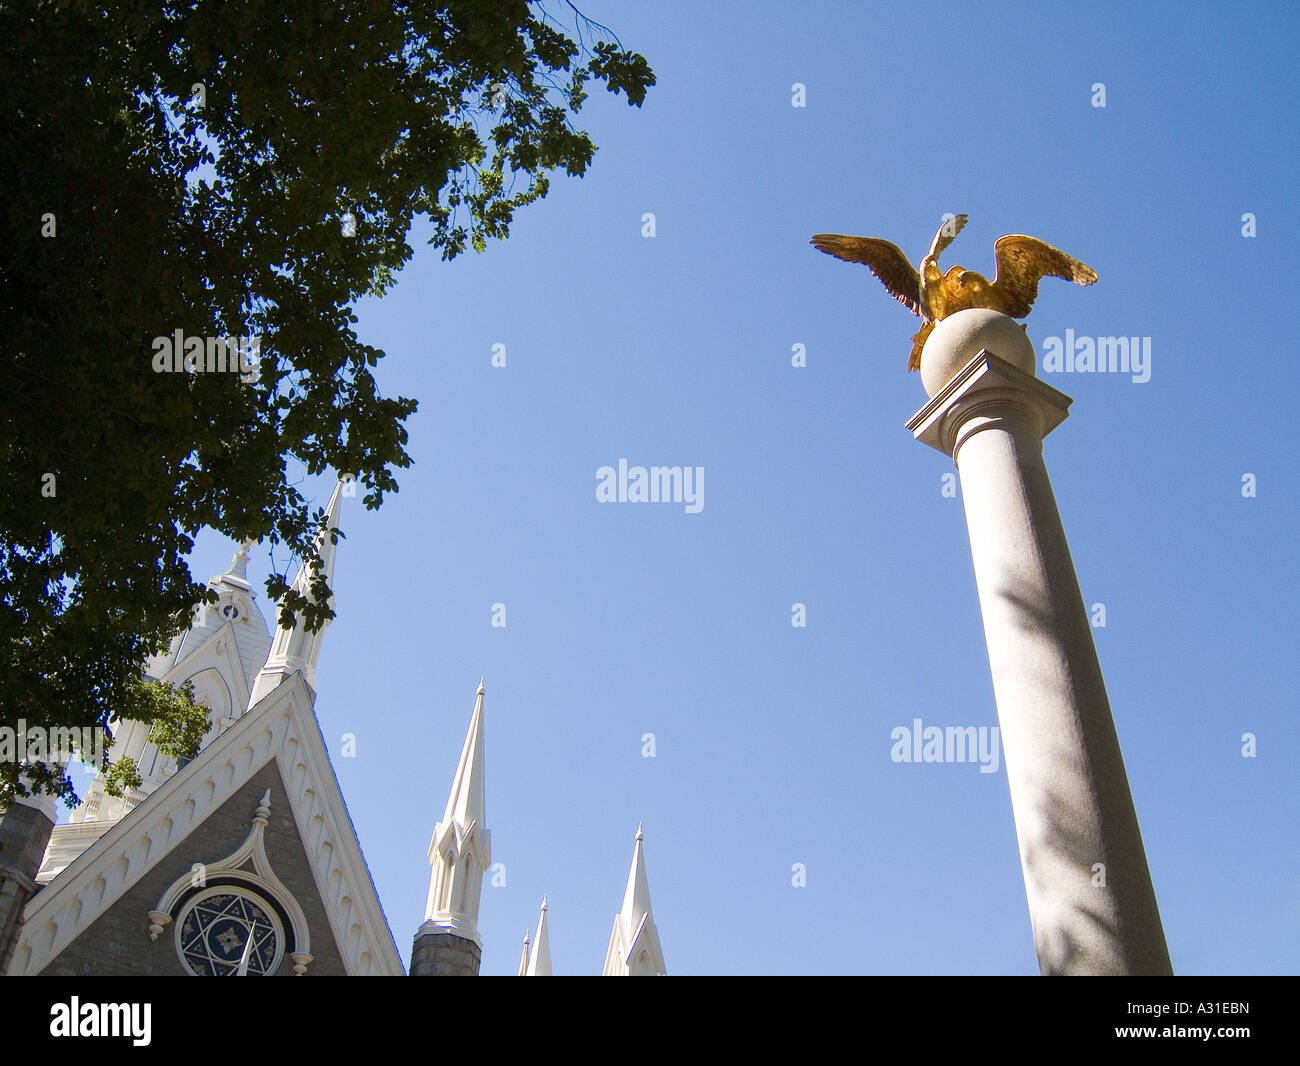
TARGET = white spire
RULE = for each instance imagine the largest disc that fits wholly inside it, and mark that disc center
(466, 802)
(634, 948)
(539, 963)
(295, 650)
(461, 849)
(636, 900)
(523, 960)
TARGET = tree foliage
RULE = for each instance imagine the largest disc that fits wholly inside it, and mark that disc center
(242, 168)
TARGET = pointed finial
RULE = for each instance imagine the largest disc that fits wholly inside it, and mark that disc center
(237, 572)
(263, 813)
(480, 687)
(239, 562)
(640, 833)
(543, 904)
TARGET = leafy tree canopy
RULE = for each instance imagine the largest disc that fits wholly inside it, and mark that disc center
(232, 169)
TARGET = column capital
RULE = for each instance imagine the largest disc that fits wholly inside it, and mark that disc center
(987, 391)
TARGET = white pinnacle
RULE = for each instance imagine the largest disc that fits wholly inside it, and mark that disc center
(466, 802)
(461, 850)
(295, 650)
(636, 899)
(634, 948)
(539, 963)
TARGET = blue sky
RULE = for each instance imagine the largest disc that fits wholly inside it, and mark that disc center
(773, 742)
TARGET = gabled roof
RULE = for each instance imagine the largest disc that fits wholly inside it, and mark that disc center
(283, 728)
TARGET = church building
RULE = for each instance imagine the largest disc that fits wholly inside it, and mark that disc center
(243, 861)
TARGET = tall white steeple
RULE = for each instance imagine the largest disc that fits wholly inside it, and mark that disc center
(294, 650)
(523, 960)
(461, 849)
(539, 962)
(634, 948)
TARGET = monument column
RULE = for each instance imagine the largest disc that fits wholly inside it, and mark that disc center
(1091, 902)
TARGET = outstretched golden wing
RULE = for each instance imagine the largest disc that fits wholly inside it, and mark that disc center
(886, 261)
(1024, 261)
(947, 234)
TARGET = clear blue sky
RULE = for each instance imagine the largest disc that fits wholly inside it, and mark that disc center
(772, 741)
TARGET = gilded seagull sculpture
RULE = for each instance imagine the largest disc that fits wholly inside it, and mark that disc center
(1022, 263)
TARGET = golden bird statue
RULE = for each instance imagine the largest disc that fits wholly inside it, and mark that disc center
(1022, 262)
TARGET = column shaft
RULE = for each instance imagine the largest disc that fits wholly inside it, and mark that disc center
(1091, 900)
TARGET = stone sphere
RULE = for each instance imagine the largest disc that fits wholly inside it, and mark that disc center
(956, 340)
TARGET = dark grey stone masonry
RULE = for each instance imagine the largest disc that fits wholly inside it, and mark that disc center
(444, 955)
(24, 836)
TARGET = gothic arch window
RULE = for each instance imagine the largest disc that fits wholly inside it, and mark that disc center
(462, 884)
(210, 688)
(448, 871)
